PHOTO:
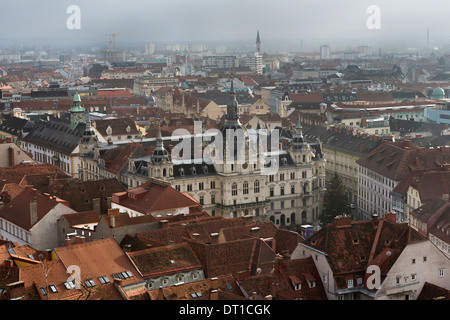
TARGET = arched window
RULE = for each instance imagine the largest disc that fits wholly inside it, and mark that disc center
(164, 172)
(234, 189)
(245, 187)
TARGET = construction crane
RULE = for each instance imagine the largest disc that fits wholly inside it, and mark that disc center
(113, 37)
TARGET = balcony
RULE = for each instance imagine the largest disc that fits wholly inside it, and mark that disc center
(242, 205)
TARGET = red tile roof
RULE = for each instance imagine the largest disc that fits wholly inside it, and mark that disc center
(351, 247)
(15, 174)
(396, 160)
(97, 259)
(156, 262)
(433, 292)
(247, 255)
(153, 196)
(17, 211)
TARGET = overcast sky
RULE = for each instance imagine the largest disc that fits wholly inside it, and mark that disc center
(224, 20)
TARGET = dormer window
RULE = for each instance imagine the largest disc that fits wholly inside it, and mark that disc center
(350, 283)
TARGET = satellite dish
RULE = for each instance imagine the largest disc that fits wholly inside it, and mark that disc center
(258, 271)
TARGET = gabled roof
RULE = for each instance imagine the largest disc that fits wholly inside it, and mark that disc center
(351, 246)
(17, 211)
(153, 196)
(119, 126)
(98, 258)
(303, 272)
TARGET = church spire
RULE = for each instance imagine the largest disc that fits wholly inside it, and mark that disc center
(232, 105)
(258, 42)
(159, 140)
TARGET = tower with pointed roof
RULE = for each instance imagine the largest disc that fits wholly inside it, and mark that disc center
(160, 154)
(77, 112)
(258, 42)
(301, 150)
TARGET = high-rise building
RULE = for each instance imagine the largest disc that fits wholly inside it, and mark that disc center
(149, 48)
(325, 52)
(220, 61)
(254, 62)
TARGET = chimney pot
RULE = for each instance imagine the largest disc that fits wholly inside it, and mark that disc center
(112, 221)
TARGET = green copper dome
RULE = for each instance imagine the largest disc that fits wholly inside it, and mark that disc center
(438, 94)
(76, 97)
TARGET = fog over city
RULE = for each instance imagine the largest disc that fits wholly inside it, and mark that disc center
(289, 24)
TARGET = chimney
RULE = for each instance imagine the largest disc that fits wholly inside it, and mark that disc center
(214, 283)
(11, 157)
(9, 263)
(113, 212)
(180, 290)
(108, 202)
(375, 218)
(118, 281)
(391, 217)
(248, 219)
(163, 224)
(343, 221)
(67, 242)
(33, 212)
(112, 221)
(127, 247)
(15, 290)
(96, 205)
(214, 294)
(254, 296)
(80, 239)
(268, 297)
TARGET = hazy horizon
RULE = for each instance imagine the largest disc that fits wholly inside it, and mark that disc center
(296, 22)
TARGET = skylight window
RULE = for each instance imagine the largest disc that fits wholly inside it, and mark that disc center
(44, 293)
(53, 288)
(90, 283)
(104, 280)
(69, 285)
